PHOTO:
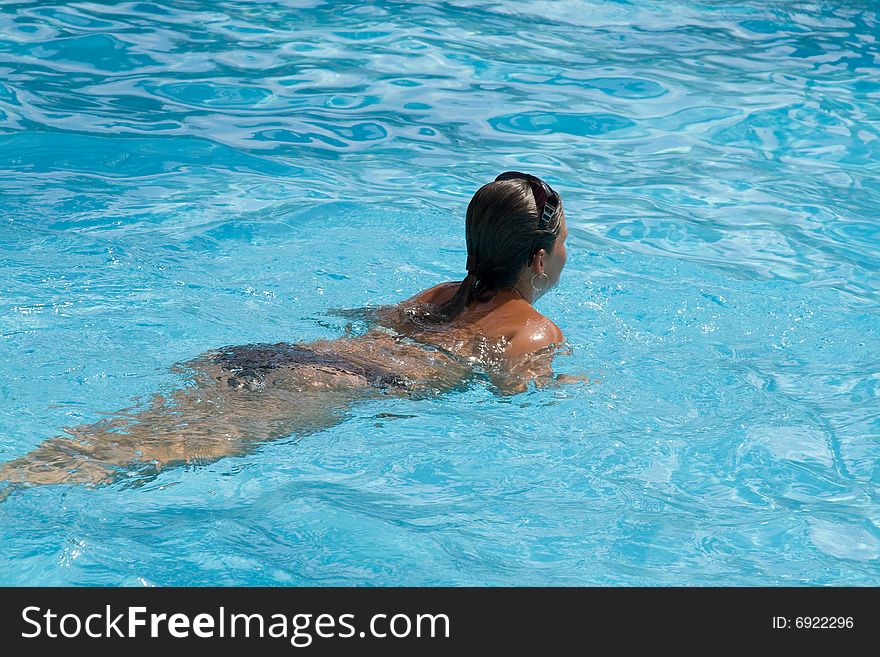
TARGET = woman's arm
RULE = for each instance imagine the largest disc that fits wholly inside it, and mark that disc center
(372, 314)
(529, 360)
(428, 296)
(533, 369)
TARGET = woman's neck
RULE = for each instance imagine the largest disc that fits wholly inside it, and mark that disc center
(515, 293)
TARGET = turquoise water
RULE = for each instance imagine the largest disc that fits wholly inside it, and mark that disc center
(177, 176)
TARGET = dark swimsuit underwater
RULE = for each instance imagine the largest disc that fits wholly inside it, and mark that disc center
(384, 359)
(252, 363)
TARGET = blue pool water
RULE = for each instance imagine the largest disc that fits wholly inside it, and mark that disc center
(177, 176)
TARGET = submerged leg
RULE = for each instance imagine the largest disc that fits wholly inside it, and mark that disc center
(198, 424)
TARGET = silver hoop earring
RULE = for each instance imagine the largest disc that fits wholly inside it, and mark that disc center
(540, 289)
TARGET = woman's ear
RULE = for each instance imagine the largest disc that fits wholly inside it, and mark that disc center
(538, 261)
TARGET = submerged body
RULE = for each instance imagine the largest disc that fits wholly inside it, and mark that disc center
(242, 395)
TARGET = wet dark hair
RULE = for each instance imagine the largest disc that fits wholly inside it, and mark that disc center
(502, 233)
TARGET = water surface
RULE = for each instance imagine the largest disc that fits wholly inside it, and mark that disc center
(177, 176)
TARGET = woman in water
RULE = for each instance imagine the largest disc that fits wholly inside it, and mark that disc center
(431, 343)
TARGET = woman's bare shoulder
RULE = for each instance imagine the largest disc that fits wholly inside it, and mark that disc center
(534, 334)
